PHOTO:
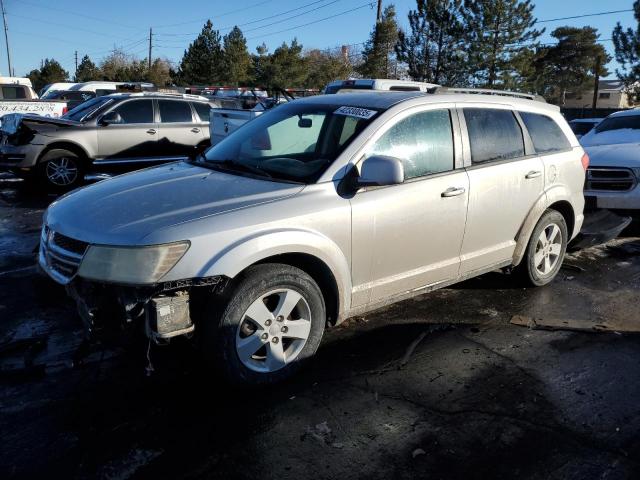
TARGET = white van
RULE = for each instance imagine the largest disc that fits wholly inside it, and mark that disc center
(378, 84)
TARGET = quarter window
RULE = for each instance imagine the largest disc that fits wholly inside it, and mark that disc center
(494, 135)
(172, 111)
(136, 111)
(545, 133)
(423, 141)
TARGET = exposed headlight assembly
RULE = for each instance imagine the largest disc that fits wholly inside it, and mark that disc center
(131, 265)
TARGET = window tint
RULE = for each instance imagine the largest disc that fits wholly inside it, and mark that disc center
(493, 134)
(173, 111)
(136, 111)
(545, 133)
(423, 141)
(13, 92)
(202, 109)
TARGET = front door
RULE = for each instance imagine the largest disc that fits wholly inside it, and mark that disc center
(134, 139)
(409, 236)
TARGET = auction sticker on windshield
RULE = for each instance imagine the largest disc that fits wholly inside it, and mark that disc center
(355, 112)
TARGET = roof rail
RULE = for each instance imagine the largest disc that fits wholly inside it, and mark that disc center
(490, 91)
(165, 94)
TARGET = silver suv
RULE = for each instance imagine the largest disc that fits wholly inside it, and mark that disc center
(113, 133)
(316, 211)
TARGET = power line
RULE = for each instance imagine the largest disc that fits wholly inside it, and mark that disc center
(97, 19)
(48, 22)
(585, 15)
(290, 18)
(368, 4)
(217, 16)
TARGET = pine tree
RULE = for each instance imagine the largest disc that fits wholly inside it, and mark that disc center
(570, 65)
(498, 32)
(379, 52)
(202, 61)
(627, 53)
(51, 72)
(434, 49)
(324, 67)
(87, 71)
(236, 58)
(284, 68)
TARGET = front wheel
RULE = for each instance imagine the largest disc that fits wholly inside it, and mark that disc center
(546, 249)
(61, 170)
(272, 323)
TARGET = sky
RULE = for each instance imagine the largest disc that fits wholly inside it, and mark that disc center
(41, 29)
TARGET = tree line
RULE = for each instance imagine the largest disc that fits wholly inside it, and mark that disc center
(474, 43)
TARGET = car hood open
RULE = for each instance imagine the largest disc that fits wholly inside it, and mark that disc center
(125, 209)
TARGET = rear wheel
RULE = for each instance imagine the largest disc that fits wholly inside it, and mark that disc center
(272, 323)
(61, 170)
(546, 249)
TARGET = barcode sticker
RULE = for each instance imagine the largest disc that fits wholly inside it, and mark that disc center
(355, 112)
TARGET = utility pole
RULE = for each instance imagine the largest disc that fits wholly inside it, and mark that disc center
(596, 85)
(6, 36)
(76, 74)
(150, 37)
(379, 17)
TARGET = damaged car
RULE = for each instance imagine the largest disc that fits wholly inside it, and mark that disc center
(319, 210)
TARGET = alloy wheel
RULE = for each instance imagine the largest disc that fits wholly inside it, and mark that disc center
(62, 171)
(548, 249)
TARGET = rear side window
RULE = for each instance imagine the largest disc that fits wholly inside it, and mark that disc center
(136, 111)
(202, 109)
(494, 135)
(13, 92)
(172, 111)
(423, 141)
(622, 122)
(545, 133)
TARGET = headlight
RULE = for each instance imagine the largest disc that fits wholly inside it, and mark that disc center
(134, 265)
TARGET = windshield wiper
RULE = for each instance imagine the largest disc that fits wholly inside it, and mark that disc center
(231, 164)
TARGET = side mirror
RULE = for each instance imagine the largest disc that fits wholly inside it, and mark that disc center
(109, 118)
(379, 170)
(305, 123)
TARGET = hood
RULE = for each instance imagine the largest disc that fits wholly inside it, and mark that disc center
(125, 209)
(617, 155)
(12, 122)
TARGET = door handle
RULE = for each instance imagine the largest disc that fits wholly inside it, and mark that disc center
(195, 130)
(453, 192)
(533, 174)
(151, 131)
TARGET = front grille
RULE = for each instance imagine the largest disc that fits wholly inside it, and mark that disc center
(60, 255)
(610, 179)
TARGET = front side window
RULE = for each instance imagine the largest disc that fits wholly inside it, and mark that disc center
(294, 142)
(494, 135)
(545, 133)
(136, 111)
(423, 141)
(174, 111)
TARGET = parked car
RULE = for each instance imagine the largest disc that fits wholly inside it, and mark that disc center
(107, 88)
(582, 126)
(614, 172)
(17, 96)
(55, 87)
(72, 97)
(321, 209)
(384, 84)
(112, 133)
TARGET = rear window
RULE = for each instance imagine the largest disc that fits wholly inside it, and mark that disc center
(619, 123)
(545, 133)
(494, 135)
(13, 92)
(174, 111)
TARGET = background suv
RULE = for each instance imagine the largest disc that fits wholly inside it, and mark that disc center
(318, 210)
(117, 132)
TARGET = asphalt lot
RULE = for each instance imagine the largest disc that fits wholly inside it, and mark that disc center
(441, 386)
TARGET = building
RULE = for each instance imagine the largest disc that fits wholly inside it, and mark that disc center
(611, 94)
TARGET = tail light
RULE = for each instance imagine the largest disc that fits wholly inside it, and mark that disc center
(65, 109)
(585, 161)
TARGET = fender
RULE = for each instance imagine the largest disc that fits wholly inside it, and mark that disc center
(66, 145)
(550, 196)
(233, 259)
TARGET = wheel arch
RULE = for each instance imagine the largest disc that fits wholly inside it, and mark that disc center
(65, 145)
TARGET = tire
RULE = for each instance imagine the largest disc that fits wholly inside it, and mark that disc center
(61, 170)
(542, 261)
(261, 336)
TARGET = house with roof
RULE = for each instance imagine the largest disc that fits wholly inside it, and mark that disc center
(611, 94)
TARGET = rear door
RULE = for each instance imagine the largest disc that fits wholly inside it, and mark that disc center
(132, 140)
(179, 134)
(506, 179)
(202, 110)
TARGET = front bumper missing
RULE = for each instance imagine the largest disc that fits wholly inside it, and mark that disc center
(599, 227)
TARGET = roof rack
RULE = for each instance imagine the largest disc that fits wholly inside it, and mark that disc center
(490, 91)
(164, 94)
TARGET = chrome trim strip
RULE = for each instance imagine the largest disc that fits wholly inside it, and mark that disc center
(138, 160)
(63, 252)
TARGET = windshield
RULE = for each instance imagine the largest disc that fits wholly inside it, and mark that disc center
(580, 128)
(87, 110)
(619, 123)
(294, 142)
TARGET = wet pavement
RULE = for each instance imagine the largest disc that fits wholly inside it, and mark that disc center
(441, 386)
